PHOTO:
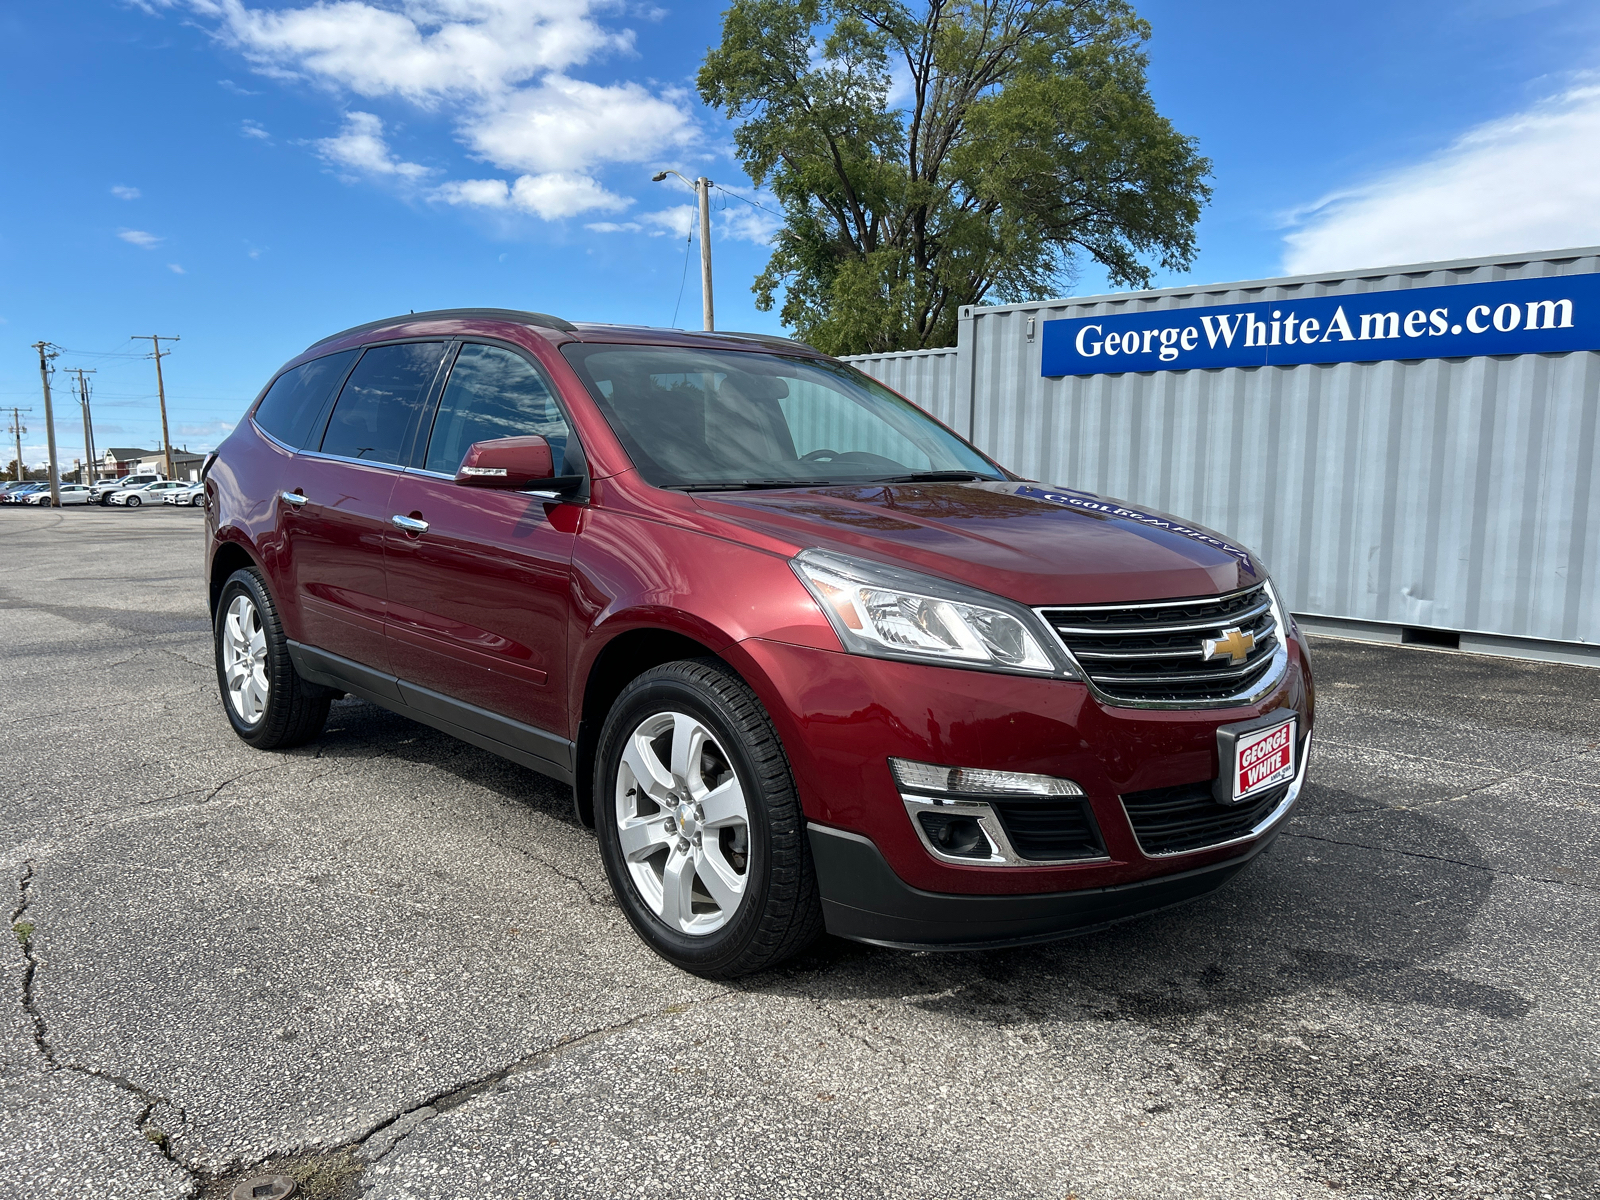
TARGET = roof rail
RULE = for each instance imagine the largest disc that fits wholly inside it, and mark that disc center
(459, 314)
(765, 339)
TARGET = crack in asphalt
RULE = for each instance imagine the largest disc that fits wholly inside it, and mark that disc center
(407, 1122)
(23, 929)
(24, 934)
(1484, 867)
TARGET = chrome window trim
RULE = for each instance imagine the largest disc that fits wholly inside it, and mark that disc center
(1001, 851)
(1261, 827)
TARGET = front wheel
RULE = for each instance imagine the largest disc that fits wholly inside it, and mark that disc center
(267, 702)
(700, 827)
(133, 502)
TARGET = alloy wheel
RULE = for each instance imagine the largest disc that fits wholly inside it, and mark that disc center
(244, 660)
(683, 823)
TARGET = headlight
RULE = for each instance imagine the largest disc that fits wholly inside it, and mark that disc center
(889, 612)
(1280, 615)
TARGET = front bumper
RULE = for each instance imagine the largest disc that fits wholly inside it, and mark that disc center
(865, 901)
(841, 717)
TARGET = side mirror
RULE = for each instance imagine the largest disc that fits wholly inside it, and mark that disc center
(513, 464)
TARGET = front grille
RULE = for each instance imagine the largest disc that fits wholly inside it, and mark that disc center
(1049, 830)
(1171, 820)
(1154, 653)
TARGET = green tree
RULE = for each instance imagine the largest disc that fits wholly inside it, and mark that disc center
(935, 156)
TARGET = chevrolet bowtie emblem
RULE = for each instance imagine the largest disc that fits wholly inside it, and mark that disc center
(1234, 643)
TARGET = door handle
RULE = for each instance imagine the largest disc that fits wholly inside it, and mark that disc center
(408, 524)
(292, 498)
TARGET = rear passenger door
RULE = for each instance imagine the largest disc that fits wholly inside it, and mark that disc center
(479, 600)
(334, 525)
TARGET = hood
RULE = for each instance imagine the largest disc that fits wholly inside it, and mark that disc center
(1029, 542)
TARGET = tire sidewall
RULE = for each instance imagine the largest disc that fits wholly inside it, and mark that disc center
(650, 694)
(246, 583)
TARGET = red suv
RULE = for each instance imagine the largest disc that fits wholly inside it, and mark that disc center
(807, 658)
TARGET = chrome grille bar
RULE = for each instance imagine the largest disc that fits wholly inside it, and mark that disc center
(1153, 654)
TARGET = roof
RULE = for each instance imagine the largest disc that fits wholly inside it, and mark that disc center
(454, 314)
(546, 321)
(128, 453)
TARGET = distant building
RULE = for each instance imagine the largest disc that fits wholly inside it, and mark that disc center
(121, 460)
(185, 463)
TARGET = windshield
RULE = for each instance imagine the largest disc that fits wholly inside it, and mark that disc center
(726, 419)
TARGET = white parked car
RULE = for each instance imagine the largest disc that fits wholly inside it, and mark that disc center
(192, 494)
(146, 493)
(71, 493)
(101, 493)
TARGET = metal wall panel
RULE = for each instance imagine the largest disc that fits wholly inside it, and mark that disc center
(927, 376)
(1456, 494)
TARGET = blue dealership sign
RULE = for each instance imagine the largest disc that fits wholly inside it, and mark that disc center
(1512, 316)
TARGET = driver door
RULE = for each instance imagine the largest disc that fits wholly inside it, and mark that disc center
(479, 600)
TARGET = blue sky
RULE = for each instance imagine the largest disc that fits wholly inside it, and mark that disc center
(254, 176)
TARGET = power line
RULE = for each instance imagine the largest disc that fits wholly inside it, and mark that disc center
(687, 245)
(747, 200)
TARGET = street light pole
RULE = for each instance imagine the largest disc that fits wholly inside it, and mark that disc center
(46, 353)
(708, 316)
(702, 190)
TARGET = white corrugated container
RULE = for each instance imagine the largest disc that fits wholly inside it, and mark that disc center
(1447, 494)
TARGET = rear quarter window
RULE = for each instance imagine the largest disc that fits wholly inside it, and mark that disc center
(290, 409)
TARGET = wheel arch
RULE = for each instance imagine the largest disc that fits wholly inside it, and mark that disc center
(620, 661)
(229, 556)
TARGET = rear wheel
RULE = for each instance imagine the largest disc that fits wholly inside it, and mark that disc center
(267, 702)
(700, 827)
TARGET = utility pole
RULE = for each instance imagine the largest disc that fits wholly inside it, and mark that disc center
(702, 190)
(161, 391)
(702, 187)
(88, 425)
(46, 353)
(18, 429)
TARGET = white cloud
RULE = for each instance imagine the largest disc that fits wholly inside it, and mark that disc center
(551, 196)
(426, 51)
(208, 433)
(253, 129)
(1522, 183)
(139, 237)
(359, 146)
(614, 227)
(125, 193)
(498, 66)
(567, 124)
(678, 220)
(176, 269)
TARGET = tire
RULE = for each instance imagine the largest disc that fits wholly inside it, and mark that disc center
(133, 502)
(762, 905)
(293, 711)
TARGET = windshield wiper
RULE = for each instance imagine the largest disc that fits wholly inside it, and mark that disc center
(938, 477)
(746, 485)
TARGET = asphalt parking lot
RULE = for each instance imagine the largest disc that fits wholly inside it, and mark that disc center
(389, 963)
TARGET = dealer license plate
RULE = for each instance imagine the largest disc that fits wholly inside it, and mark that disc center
(1263, 759)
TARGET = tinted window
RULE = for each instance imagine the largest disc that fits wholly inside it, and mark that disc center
(377, 410)
(494, 393)
(294, 401)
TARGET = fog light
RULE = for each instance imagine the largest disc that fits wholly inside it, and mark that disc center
(961, 837)
(974, 781)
